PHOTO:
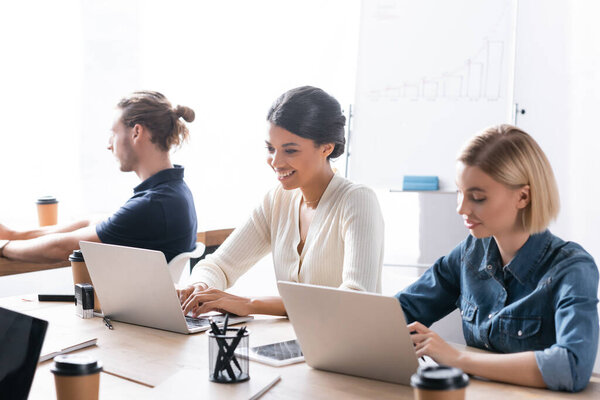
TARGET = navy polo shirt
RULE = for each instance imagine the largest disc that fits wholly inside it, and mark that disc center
(160, 216)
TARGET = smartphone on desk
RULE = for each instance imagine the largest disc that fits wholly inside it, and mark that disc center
(277, 354)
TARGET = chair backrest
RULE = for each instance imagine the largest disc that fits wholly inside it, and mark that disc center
(179, 266)
(208, 242)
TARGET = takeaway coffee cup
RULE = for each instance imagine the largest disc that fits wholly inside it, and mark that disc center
(47, 207)
(81, 274)
(439, 383)
(76, 377)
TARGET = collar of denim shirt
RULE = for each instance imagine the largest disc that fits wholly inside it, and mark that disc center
(527, 258)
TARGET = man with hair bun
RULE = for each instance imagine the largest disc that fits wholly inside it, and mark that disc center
(160, 215)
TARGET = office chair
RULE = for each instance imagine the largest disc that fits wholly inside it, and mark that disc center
(178, 267)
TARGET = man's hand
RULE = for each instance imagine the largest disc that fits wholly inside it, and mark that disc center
(49, 248)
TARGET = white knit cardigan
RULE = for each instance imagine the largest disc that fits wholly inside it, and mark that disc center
(343, 247)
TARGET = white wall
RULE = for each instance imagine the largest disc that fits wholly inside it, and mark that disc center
(584, 151)
(226, 60)
(40, 106)
(66, 65)
(542, 88)
(557, 82)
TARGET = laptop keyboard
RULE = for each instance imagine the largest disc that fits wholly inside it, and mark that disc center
(202, 322)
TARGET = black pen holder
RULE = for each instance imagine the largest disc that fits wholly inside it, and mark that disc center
(228, 356)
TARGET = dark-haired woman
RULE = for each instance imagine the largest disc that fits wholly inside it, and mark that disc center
(320, 228)
(160, 215)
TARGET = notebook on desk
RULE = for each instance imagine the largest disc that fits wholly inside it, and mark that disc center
(135, 286)
(354, 333)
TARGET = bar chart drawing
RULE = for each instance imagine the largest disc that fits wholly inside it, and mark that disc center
(430, 74)
(479, 78)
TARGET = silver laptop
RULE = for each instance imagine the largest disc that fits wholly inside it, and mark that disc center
(354, 333)
(134, 285)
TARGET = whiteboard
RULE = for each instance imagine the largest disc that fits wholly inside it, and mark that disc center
(430, 75)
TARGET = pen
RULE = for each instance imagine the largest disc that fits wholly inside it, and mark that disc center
(224, 348)
(225, 324)
(107, 323)
(213, 326)
(229, 356)
(414, 333)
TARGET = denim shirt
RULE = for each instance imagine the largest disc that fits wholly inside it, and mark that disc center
(544, 301)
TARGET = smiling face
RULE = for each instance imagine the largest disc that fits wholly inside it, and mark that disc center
(296, 160)
(120, 144)
(488, 207)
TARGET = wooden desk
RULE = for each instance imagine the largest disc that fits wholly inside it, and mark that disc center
(213, 238)
(150, 357)
(11, 267)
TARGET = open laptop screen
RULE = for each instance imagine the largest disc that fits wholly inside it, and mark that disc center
(21, 339)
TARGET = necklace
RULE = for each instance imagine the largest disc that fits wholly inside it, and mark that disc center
(311, 202)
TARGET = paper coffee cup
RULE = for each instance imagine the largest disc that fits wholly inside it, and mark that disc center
(439, 383)
(76, 377)
(47, 208)
(81, 274)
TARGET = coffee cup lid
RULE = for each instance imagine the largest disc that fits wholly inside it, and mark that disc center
(77, 256)
(47, 200)
(440, 377)
(75, 364)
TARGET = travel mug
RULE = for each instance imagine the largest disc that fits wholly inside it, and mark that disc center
(81, 274)
(439, 383)
(76, 377)
(47, 208)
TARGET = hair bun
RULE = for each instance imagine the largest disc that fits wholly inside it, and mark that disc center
(185, 112)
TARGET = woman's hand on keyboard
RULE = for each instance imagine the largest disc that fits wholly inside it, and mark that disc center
(199, 301)
(185, 293)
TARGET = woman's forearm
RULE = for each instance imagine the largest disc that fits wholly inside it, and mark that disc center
(517, 368)
(267, 305)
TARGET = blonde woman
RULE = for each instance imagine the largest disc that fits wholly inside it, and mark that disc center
(521, 290)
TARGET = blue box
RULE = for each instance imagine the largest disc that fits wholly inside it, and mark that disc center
(416, 182)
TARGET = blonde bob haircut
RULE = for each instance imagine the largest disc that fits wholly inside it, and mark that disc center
(513, 158)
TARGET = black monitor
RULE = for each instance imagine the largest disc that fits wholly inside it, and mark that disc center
(21, 339)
